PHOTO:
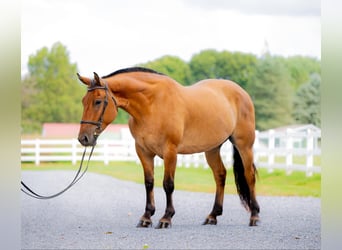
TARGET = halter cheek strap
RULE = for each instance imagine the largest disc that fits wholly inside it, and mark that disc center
(100, 121)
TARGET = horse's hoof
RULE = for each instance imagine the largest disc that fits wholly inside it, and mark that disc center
(253, 221)
(144, 223)
(210, 221)
(163, 224)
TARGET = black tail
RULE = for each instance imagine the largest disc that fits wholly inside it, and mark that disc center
(240, 179)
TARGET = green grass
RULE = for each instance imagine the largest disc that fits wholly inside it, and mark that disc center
(200, 179)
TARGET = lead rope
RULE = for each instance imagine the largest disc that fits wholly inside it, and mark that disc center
(78, 176)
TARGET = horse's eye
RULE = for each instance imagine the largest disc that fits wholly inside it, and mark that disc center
(98, 102)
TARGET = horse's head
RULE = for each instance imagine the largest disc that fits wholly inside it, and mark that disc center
(99, 109)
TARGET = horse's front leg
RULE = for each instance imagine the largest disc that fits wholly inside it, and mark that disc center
(170, 162)
(147, 161)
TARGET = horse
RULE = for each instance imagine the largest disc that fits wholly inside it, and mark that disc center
(167, 119)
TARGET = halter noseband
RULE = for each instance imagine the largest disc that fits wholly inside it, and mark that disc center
(99, 122)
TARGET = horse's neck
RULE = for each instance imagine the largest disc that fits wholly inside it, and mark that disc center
(133, 92)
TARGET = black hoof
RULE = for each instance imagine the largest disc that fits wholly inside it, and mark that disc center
(163, 224)
(254, 221)
(210, 221)
(144, 223)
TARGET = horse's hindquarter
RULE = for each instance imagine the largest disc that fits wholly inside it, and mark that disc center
(212, 114)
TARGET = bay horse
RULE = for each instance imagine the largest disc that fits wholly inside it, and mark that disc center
(167, 119)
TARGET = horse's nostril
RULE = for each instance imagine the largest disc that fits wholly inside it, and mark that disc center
(83, 139)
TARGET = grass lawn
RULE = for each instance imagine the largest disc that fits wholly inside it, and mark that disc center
(200, 179)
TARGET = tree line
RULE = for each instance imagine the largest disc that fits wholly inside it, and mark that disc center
(285, 90)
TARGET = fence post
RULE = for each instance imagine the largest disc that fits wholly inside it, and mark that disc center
(73, 151)
(187, 159)
(309, 152)
(256, 146)
(157, 161)
(271, 147)
(37, 152)
(227, 153)
(196, 160)
(289, 151)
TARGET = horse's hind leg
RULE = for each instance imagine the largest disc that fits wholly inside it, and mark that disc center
(215, 162)
(245, 171)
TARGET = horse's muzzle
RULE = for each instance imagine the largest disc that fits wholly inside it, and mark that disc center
(87, 140)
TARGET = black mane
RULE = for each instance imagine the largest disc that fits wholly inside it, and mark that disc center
(133, 69)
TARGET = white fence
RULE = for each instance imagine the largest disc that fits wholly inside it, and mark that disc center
(285, 150)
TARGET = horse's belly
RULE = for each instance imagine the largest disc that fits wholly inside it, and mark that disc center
(202, 142)
(205, 132)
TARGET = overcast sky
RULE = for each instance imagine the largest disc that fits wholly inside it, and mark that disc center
(107, 35)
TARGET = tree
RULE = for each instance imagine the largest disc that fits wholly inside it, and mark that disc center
(122, 117)
(28, 93)
(172, 66)
(306, 105)
(236, 66)
(203, 65)
(51, 91)
(271, 93)
(300, 69)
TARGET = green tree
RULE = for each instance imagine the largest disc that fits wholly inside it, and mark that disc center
(236, 66)
(306, 105)
(271, 93)
(28, 93)
(172, 66)
(122, 117)
(51, 91)
(204, 65)
(300, 69)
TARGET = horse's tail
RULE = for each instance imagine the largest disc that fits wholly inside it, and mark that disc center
(240, 179)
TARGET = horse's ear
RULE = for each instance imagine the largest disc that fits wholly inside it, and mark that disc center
(84, 80)
(97, 79)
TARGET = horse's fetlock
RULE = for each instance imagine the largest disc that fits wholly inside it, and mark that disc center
(217, 210)
(169, 213)
(150, 209)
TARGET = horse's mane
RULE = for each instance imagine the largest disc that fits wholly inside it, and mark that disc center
(133, 69)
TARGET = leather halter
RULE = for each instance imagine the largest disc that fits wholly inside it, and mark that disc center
(99, 122)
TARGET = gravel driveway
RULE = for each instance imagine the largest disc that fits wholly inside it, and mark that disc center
(101, 212)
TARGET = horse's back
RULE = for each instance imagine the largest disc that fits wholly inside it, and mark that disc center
(229, 89)
(223, 94)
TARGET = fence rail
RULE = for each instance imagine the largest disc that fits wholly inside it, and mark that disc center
(287, 150)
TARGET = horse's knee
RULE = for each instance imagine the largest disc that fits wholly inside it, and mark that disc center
(149, 184)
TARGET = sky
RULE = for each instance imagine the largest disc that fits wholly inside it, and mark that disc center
(107, 35)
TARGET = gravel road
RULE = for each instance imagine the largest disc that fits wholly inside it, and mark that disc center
(101, 212)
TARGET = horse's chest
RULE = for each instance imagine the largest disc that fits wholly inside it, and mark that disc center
(150, 141)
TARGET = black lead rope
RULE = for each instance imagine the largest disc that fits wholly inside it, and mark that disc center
(78, 176)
